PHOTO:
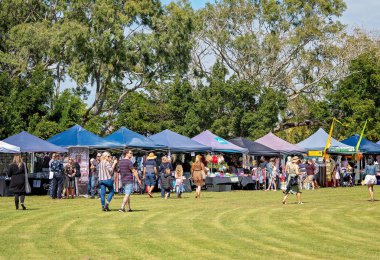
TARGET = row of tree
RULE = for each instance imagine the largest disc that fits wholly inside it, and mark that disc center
(235, 67)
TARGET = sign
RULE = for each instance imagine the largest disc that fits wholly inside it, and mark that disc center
(221, 140)
(81, 156)
(315, 153)
(341, 149)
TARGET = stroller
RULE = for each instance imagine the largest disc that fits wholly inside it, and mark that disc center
(347, 178)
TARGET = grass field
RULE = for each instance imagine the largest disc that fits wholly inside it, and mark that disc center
(332, 224)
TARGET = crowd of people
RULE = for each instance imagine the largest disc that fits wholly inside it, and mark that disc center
(107, 172)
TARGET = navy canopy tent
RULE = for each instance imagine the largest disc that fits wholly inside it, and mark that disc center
(366, 146)
(30, 143)
(253, 147)
(317, 141)
(77, 136)
(128, 138)
(178, 143)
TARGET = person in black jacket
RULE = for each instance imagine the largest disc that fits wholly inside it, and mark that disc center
(17, 185)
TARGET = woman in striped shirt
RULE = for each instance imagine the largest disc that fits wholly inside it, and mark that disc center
(106, 169)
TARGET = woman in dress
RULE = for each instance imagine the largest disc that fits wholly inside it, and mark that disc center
(370, 178)
(197, 176)
(272, 175)
(70, 178)
(17, 171)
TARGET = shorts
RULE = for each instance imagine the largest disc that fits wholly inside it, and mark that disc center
(128, 189)
(150, 179)
(370, 180)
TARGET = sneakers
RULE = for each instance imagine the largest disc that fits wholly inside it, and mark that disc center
(300, 203)
(130, 210)
(106, 208)
(122, 210)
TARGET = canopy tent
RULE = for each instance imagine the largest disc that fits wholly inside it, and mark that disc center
(217, 143)
(366, 146)
(8, 148)
(254, 148)
(30, 143)
(178, 143)
(317, 141)
(128, 138)
(276, 143)
(77, 136)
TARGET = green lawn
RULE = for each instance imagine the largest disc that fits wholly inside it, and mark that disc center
(332, 224)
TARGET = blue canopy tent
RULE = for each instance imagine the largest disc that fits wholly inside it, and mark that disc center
(128, 138)
(77, 136)
(30, 143)
(178, 143)
(366, 146)
(317, 141)
(217, 143)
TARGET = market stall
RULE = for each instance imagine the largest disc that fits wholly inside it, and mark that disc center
(28, 143)
(79, 141)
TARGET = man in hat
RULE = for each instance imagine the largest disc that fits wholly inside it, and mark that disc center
(293, 185)
(150, 173)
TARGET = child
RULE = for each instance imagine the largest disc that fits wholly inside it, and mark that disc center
(166, 182)
(179, 180)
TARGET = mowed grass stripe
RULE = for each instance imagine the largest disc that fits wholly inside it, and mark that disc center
(333, 223)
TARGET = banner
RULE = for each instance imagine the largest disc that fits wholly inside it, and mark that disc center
(81, 156)
(315, 153)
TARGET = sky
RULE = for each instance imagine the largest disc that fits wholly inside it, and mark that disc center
(359, 13)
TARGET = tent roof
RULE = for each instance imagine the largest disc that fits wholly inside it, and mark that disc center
(8, 148)
(217, 143)
(77, 136)
(254, 148)
(30, 143)
(126, 137)
(178, 143)
(366, 146)
(276, 143)
(317, 141)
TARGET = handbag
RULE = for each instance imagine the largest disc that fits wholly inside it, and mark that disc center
(203, 174)
(28, 189)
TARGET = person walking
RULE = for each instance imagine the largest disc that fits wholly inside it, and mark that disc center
(316, 174)
(179, 180)
(293, 185)
(56, 167)
(17, 170)
(70, 171)
(150, 173)
(165, 167)
(310, 171)
(272, 175)
(197, 176)
(106, 168)
(370, 180)
(127, 171)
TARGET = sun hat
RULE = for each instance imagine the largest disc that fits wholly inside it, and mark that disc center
(295, 159)
(151, 156)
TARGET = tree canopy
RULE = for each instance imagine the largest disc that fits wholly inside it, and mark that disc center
(237, 68)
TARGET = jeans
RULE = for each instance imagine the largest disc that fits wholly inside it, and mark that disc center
(57, 186)
(103, 185)
(92, 185)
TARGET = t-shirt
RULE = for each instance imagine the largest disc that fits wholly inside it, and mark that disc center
(310, 168)
(150, 165)
(126, 168)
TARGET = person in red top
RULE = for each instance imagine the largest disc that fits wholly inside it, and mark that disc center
(127, 171)
(310, 171)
